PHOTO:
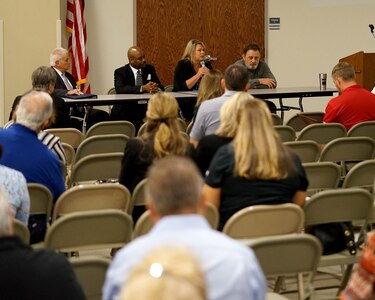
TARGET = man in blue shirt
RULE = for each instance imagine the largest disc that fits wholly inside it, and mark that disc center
(174, 194)
(24, 152)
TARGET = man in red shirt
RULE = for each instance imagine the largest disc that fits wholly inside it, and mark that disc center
(354, 104)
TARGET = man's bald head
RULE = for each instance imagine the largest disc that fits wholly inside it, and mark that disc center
(136, 57)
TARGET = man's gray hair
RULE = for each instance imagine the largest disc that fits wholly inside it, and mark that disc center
(34, 108)
(6, 218)
(174, 186)
(56, 55)
(43, 77)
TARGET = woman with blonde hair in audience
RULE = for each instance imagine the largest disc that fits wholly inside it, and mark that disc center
(229, 115)
(256, 168)
(166, 273)
(210, 87)
(191, 68)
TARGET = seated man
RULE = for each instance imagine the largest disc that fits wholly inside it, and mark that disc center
(136, 77)
(23, 151)
(29, 274)
(175, 202)
(354, 104)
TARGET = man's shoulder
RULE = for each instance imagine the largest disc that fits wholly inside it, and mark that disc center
(213, 104)
(122, 69)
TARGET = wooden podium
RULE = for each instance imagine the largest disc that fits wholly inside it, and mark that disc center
(364, 66)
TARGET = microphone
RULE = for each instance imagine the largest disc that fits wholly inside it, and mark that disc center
(203, 63)
(372, 29)
(209, 58)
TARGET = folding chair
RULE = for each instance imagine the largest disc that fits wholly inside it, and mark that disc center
(363, 129)
(70, 136)
(322, 133)
(90, 272)
(340, 205)
(138, 196)
(99, 144)
(288, 254)
(286, 133)
(307, 151)
(265, 220)
(112, 127)
(21, 230)
(40, 200)
(92, 197)
(212, 215)
(276, 119)
(301, 120)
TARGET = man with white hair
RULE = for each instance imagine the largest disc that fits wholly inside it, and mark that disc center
(23, 151)
(29, 274)
(175, 201)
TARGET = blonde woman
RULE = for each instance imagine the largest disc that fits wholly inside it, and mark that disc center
(166, 273)
(161, 138)
(256, 168)
(229, 115)
(191, 68)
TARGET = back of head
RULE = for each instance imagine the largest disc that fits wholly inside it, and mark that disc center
(210, 86)
(174, 186)
(56, 55)
(229, 114)
(43, 77)
(6, 218)
(249, 47)
(258, 151)
(236, 78)
(190, 49)
(34, 109)
(344, 70)
(166, 273)
(162, 126)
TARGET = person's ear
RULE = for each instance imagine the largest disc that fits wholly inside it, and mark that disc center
(223, 84)
(153, 213)
(202, 205)
(247, 87)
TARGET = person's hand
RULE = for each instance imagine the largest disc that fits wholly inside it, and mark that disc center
(74, 92)
(271, 83)
(202, 71)
(150, 87)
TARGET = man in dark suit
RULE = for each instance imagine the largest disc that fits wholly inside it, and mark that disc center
(66, 85)
(136, 77)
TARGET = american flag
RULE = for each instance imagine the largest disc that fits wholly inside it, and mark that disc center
(76, 26)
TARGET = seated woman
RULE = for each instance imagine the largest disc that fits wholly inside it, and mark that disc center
(191, 68)
(161, 137)
(211, 86)
(256, 168)
(209, 144)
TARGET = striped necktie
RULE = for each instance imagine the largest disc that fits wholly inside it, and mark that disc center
(138, 78)
(67, 82)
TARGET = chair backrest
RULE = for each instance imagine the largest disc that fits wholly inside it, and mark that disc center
(70, 136)
(301, 120)
(112, 127)
(98, 144)
(307, 151)
(361, 175)
(40, 200)
(264, 220)
(322, 175)
(143, 225)
(181, 123)
(111, 91)
(339, 205)
(97, 229)
(348, 149)
(138, 195)
(96, 167)
(189, 128)
(70, 154)
(276, 119)
(322, 133)
(212, 215)
(90, 272)
(21, 230)
(168, 88)
(363, 129)
(92, 197)
(285, 132)
(292, 254)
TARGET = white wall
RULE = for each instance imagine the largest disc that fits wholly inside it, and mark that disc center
(314, 35)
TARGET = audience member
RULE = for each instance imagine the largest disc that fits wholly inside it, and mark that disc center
(51, 141)
(174, 197)
(134, 78)
(168, 274)
(236, 78)
(29, 274)
(354, 104)
(13, 183)
(66, 85)
(24, 152)
(256, 168)
(191, 68)
(209, 88)
(261, 76)
(209, 144)
(44, 79)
